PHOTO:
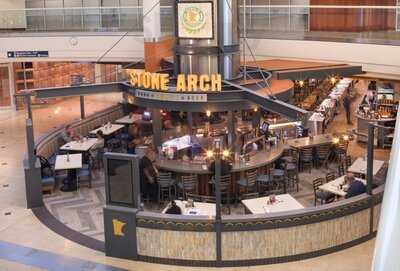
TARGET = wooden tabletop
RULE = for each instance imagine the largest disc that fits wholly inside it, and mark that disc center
(284, 203)
(108, 129)
(129, 119)
(334, 186)
(304, 142)
(71, 161)
(83, 145)
(200, 208)
(360, 166)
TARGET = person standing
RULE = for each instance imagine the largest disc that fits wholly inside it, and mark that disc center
(347, 107)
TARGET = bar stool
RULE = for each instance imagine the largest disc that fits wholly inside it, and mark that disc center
(165, 186)
(292, 174)
(188, 185)
(306, 158)
(249, 184)
(279, 177)
(323, 152)
(225, 188)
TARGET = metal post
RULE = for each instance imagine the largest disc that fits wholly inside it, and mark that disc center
(218, 224)
(244, 40)
(82, 103)
(370, 158)
(190, 122)
(28, 106)
(157, 127)
(231, 129)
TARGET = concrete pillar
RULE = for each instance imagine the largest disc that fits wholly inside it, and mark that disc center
(97, 74)
(155, 47)
(386, 256)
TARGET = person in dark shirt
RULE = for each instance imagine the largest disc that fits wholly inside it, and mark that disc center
(347, 107)
(173, 209)
(148, 175)
(355, 187)
(226, 167)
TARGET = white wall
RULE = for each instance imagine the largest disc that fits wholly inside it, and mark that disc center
(373, 58)
(12, 19)
(65, 47)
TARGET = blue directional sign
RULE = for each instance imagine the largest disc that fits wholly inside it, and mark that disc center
(17, 54)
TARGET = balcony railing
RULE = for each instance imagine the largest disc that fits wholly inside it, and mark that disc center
(380, 24)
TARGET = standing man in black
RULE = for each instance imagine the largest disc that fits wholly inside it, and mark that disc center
(347, 107)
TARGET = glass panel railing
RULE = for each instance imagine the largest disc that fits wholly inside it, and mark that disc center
(264, 19)
(75, 19)
(375, 24)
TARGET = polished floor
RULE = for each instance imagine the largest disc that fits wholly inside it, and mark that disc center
(34, 247)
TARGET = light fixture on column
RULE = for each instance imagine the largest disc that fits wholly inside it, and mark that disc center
(301, 83)
(208, 113)
(333, 80)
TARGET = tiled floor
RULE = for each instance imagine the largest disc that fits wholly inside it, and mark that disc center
(19, 226)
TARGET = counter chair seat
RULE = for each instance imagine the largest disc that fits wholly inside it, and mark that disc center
(321, 196)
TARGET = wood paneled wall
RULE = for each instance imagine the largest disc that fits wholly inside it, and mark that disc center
(352, 20)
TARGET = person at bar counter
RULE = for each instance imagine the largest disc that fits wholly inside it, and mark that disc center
(355, 187)
(347, 107)
(148, 175)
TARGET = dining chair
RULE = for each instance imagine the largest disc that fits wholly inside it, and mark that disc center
(322, 196)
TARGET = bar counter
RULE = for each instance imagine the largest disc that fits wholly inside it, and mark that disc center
(259, 159)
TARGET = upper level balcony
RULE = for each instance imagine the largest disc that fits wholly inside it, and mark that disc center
(284, 19)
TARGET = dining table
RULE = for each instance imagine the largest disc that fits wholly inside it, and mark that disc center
(306, 142)
(108, 129)
(129, 119)
(82, 145)
(359, 166)
(261, 205)
(338, 186)
(199, 208)
(69, 162)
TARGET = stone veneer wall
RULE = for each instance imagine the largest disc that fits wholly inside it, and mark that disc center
(281, 242)
(182, 245)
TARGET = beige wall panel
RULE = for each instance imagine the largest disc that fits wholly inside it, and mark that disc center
(183, 245)
(294, 240)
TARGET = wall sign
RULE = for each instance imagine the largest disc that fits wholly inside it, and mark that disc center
(184, 83)
(170, 96)
(17, 54)
(195, 20)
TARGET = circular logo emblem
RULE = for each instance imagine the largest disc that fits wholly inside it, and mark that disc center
(193, 19)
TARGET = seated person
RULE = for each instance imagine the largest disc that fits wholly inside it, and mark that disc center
(173, 209)
(355, 187)
(69, 134)
(148, 175)
(226, 167)
(99, 145)
(134, 138)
